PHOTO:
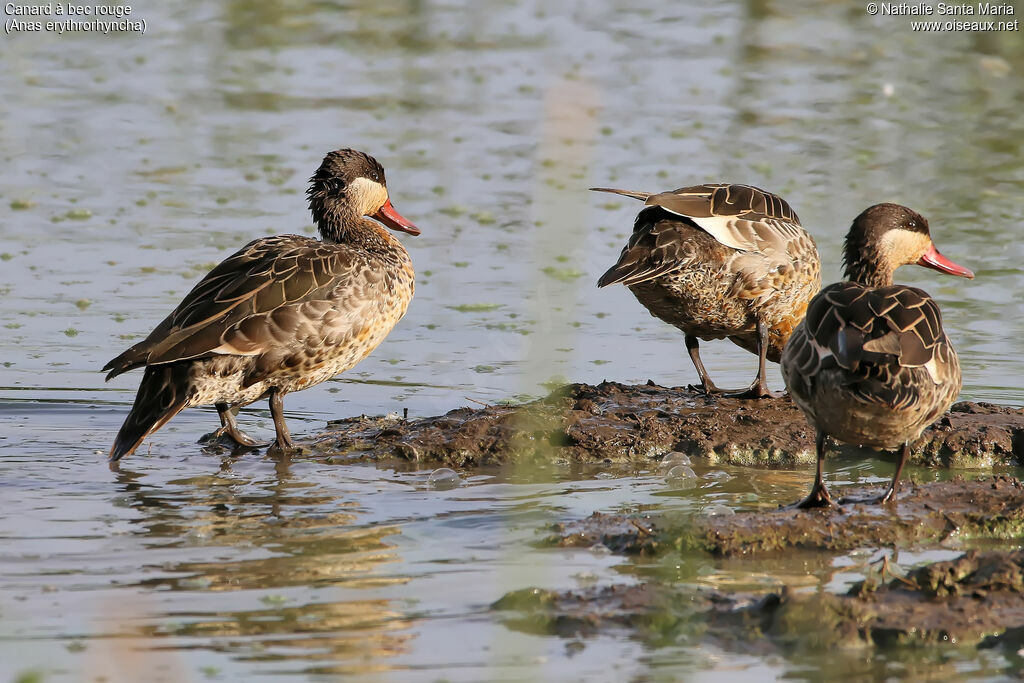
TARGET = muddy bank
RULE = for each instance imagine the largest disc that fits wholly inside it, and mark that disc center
(922, 515)
(620, 423)
(974, 600)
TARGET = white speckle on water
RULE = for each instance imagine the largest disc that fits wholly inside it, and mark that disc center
(444, 479)
(718, 510)
(586, 578)
(681, 476)
(672, 460)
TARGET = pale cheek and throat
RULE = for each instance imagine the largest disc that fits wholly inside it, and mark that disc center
(366, 196)
(902, 247)
(896, 248)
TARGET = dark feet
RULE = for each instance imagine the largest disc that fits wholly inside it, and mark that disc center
(237, 442)
(236, 435)
(287, 448)
(890, 495)
(818, 498)
(229, 428)
(756, 390)
(886, 498)
(708, 389)
(753, 391)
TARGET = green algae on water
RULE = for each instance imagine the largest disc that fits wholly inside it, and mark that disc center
(563, 274)
(78, 214)
(475, 308)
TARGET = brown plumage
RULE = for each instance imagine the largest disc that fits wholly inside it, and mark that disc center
(721, 261)
(281, 314)
(870, 364)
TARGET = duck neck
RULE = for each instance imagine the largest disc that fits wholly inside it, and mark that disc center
(338, 223)
(867, 266)
(334, 219)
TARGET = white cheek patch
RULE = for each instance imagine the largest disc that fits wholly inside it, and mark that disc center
(900, 247)
(367, 196)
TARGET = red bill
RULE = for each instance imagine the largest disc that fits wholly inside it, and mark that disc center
(936, 261)
(396, 221)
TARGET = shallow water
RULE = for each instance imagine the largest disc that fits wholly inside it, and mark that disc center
(132, 164)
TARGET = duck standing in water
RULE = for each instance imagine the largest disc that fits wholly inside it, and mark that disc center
(721, 261)
(282, 314)
(870, 364)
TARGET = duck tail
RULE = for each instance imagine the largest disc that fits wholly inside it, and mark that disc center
(135, 357)
(642, 196)
(162, 395)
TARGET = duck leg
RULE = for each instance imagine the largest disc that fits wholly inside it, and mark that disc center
(904, 456)
(229, 428)
(283, 442)
(759, 388)
(818, 497)
(890, 493)
(693, 348)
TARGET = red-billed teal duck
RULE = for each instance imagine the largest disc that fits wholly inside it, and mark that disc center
(721, 261)
(870, 364)
(282, 314)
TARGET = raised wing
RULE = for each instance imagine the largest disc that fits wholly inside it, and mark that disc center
(251, 302)
(747, 219)
(739, 216)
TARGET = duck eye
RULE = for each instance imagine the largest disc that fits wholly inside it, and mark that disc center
(912, 224)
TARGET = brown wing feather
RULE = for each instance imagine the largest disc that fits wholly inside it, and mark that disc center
(875, 335)
(657, 246)
(245, 304)
(720, 200)
(734, 215)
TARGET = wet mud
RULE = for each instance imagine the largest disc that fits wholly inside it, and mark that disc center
(929, 514)
(619, 423)
(975, 600)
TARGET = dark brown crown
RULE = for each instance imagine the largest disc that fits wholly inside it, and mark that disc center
(340, 168)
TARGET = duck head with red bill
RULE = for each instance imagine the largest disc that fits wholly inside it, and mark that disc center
(352, 182)
(886, 236)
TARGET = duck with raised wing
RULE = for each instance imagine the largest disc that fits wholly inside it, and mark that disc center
(282, 314)
(721, 261)
(870, 364)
